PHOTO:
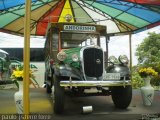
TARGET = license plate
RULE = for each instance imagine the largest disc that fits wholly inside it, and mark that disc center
(112, 76)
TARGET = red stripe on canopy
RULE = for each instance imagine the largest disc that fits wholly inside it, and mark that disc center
(52, 16)
(153, 25)
(155, 2)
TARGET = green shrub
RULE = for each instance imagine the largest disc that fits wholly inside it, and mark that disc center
(137, 81)
(155, 81)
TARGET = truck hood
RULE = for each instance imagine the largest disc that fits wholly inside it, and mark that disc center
(70, 52)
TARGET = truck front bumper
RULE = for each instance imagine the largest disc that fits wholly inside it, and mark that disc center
(94, 83)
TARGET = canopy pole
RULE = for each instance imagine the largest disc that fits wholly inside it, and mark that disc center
(107, 50)
(26, 58)
(130, 49)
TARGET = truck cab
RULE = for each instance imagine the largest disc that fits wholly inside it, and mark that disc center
(75, 62)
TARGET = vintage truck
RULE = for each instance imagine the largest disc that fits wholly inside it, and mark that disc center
(75, 62)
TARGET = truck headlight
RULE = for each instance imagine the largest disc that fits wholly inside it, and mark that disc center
(113, 59)
(123, 59)
(61, 56)
(75, 57)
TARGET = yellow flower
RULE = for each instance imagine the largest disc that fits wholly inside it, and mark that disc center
(18, 74)
(144, 72)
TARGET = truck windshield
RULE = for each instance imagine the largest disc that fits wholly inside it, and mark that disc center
(71, 40)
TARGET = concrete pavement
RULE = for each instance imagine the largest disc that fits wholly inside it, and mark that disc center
(40, 102)
(103, 108)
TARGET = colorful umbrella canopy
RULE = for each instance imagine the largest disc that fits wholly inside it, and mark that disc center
(120, 16)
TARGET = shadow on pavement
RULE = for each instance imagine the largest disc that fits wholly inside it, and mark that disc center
(103, 108)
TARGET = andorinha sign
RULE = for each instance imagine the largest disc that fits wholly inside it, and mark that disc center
(80, 28)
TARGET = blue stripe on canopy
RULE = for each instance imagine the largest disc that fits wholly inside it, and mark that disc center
(6, 4)
(136, 10)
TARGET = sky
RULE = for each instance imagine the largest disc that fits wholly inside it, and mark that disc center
(118, 45)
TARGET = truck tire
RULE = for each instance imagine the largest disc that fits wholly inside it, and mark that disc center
(121, 96)
(58, 96)
(48, 88)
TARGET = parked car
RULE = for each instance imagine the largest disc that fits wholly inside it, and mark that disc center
(75, 62)
(4, 65)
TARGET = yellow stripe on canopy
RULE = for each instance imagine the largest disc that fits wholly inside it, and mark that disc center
(66, 10)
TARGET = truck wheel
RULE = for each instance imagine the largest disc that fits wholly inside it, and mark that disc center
(58, 96)
(121, 96)
(48, 88)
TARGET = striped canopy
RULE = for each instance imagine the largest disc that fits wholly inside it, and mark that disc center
(120, 16)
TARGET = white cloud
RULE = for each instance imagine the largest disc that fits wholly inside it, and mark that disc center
(119, 45)
(13, 41)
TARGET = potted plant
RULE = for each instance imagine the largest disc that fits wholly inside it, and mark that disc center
(17, 77)
(147, 90)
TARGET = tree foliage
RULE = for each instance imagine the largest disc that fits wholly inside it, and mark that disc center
(137, 81)
(148, 53)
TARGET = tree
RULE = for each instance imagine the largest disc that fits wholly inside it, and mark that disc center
(137, 81)
(148, 53)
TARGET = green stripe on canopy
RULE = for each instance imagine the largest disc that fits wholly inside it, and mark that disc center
(80, 14)
(10, 17)
(118, 14)
(132, 20)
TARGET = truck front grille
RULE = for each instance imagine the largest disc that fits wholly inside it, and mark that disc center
(93, 62)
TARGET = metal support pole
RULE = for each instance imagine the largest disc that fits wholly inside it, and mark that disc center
(130, 49)
(107, 41)
(106, 55)
(26, 58)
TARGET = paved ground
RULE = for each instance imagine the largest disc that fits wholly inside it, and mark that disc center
(40, 102)
(103, 108)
